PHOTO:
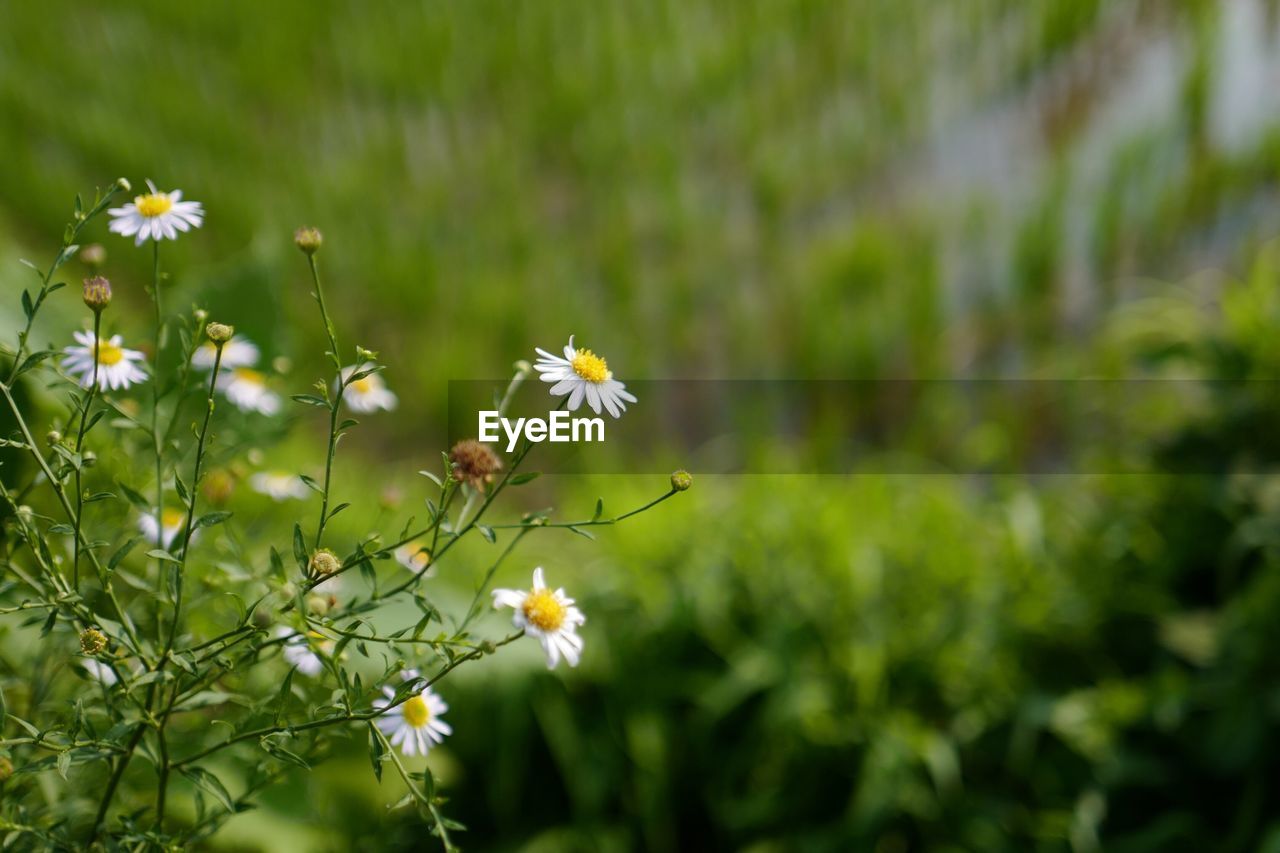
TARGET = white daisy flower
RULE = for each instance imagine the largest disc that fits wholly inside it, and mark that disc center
(117, 366)
(156, 215)
(279, 485)
(247, 389)
(546, 615)
(303, 651)
(99, 671)
(368, 393)
(172, 521)
(583, 375)
(237, 352)
(415, 557)
(414, 725)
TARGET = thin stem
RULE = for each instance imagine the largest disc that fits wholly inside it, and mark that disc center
(156, 442)
(84, 422)
(413, 789)
(335, 404)
(187, 531)
(363, 716)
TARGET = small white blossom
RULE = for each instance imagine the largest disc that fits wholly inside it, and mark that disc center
(583, 375)
(549, 616)
(157, 215)
(117, 367)
(415, 725)
(368, 393)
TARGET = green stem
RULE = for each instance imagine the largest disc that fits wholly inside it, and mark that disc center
(335, 404)
(84, 422)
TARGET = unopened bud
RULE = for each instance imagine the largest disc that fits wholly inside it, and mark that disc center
(318, 605)
(308, 240)
(681, 481)
(89, 459)
(97, 293)
(487, 647)
(219, 333)
(324, 562)
(6, 769)
(201, 315)
(92, 641)
(54, 437)
(123, 184)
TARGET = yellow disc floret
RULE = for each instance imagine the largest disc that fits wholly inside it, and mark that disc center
(153, 204)
(415, 711)
(363, 385)
(543, 610)
(253, 377)
(171, 517)
(109, 354)
(590, 366)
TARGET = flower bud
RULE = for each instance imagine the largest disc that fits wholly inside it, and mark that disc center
(324, 562)
(123, 184)
(92, 641)
(487, 647)
(97, 293)
(54, 437)
(681, 481)
(318, 605)
(93, 255)
(89, 459)
(201, 315)
(6, 769)
(308, 240)
(219, 333)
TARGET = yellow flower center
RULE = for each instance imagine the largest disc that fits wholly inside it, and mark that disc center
(109, 354)
(415, 711)
(590, 366)
(543, 610)
(153, 204)
(420, 558)
(171, 517)
(362, 386)
(245, 374)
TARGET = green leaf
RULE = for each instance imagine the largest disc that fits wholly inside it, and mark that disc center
(311, 400)
(161, 554)
(599, 509)
(299, 547)
(122, 552)
(135, 497)
(521, 479)
(210, 784)
(377, 752)
(487, 533)
(277, 751)
(209, 519)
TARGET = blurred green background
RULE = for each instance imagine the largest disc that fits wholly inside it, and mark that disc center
(785, 189)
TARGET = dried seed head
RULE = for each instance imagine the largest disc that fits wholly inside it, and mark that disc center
(474, 463)
(93, 256)
(324, 562)
(309, 240)
(681, 480)
(219, 333)
(97, 293)
(92, 641)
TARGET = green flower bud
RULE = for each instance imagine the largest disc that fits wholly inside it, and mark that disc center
(324, 562)
(681, 480)
(219, 333)
(92, 641)
(309, 240)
